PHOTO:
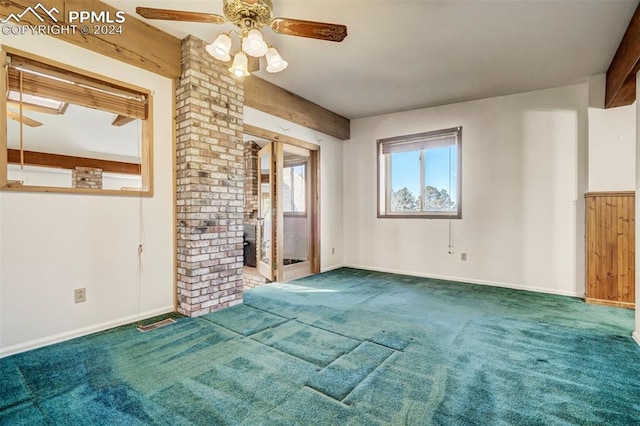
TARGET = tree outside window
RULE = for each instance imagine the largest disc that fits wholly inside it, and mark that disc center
(419, 175)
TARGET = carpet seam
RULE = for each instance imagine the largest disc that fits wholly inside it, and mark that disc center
(250, 336)
(369, 375)
(15, 404)
(221, 326)
(364, 341)
(316, 366)
(386, 346)
(329, 331)
(30, 397)
(364, 378)
(269, 312)
(326, 396)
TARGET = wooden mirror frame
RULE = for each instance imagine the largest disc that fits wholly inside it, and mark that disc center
(146, 160)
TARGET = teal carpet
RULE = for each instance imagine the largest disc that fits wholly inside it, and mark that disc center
(348, 347)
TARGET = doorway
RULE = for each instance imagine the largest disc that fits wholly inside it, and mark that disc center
(288, 243)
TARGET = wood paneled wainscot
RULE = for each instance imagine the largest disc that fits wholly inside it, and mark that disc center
(610, 248)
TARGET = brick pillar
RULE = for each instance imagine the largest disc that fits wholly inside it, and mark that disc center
(250, 182)
(210, 183)
(86, 177)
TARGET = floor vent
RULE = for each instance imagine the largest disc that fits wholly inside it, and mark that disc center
(153, 326)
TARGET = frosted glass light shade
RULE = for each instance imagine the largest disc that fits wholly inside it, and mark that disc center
(253, 44)
(239, 66)
(220, 48)
(275, 63)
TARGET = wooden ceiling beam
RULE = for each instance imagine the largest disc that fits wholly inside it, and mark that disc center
(25, 120)
(267, 97)
(121, 120)
(43, 159)
(621, 75)
(140, 44)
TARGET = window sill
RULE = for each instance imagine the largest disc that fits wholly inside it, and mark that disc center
(419, 216)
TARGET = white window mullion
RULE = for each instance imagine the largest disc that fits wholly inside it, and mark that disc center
(387, 181)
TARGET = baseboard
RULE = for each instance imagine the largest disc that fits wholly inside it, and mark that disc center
(636, 337)
(331, 268)
(470, 280)
(50, 340)
(614, 303)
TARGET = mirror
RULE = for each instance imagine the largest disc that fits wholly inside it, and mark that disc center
(70, 131)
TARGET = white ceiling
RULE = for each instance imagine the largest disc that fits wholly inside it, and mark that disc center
(81, 132)
(402, 55)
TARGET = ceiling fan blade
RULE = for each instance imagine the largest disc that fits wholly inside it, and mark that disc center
(26, 120)
(310, 29)
(179, 15)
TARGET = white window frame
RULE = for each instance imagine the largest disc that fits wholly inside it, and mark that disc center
(421, 142)
(289, 168)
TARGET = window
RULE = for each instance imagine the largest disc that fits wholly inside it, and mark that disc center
(67, 129)
(294, 190)
(419, 175)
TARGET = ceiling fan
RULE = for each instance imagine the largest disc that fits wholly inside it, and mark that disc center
(250, 16)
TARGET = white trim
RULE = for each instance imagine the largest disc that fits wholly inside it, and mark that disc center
(471, 281)
(50, 340)
(636, 337)
(331, 268)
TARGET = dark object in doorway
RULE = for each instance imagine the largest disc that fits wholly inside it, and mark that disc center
(249, 244)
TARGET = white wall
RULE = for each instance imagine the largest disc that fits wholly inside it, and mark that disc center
(636, 333)
(612, 142)
(331, 228)
(524, 175)
(40, 176)
(53, 243)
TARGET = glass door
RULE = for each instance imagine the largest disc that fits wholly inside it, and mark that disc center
(266, 209)
(294, 189)
(288, 246)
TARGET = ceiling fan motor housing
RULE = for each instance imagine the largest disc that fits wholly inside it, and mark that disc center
(242, 12)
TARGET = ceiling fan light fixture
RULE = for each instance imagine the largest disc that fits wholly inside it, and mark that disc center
(220, 48)
(275, 63)
(239, 68)
(253, 44)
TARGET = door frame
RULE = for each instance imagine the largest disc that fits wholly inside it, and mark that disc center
(266, 270)
(314, 196)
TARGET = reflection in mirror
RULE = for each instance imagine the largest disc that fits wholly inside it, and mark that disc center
(68, 130)
(265, 208)
(295, 189)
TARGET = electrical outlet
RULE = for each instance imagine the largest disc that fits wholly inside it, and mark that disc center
(80, 295)
(463, 257)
